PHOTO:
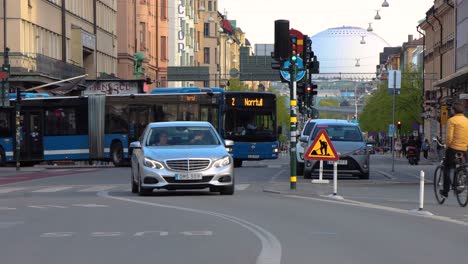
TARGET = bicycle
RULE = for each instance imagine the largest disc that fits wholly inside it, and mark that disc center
(460, 178)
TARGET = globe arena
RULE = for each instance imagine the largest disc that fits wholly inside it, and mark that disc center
(339, 50)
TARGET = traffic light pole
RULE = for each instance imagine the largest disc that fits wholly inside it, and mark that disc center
(292, 124)
(393, 121)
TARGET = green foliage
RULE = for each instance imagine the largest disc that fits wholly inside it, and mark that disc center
(329, 102)
(377, 113)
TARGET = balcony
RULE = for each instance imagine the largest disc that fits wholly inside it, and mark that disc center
(38, 64)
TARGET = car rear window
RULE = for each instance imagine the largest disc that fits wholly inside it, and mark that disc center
(339, 132)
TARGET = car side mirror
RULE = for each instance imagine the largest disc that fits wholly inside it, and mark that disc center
(135, 145)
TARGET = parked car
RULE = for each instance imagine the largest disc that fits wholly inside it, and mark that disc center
(349, 144)
(181, 155)
(300, 146)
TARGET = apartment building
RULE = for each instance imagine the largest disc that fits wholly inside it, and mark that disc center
(143, 38)
(52, 40)
(439, 63)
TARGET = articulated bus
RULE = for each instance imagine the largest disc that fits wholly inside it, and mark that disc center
(96, 127)
(247, 118)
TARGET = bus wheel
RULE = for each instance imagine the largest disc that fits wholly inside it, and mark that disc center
(2, 158)
(117, 154)
(237, 163)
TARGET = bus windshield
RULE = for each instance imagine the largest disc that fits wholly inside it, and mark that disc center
(250, 117)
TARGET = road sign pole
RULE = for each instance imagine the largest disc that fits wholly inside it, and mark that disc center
(393, 121)
(292, 125)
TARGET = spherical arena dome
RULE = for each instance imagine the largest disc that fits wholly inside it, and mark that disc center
(339, 50)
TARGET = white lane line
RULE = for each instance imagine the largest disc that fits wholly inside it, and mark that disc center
(45, 206)
(10, 189)
(241, 187)
(98, 188)
(271, 247)
(7, 208)
(9, 224)
(53, 189)
(381, 207)
(90, 205)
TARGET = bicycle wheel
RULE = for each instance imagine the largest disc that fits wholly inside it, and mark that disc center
(439, 183)
(461, 185)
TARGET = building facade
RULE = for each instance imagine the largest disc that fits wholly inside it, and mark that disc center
(143, 38)
(76, 37)
(439, 63)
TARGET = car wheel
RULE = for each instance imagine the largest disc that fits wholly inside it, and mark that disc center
(364, 176)
(117, 154)
(299, 168)
(228, 190)
(2, 158)
(134, 185)
(141, 190)
(237, 163)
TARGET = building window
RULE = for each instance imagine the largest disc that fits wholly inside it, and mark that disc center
(164, 9)
(206, 55)
(206, 30)
(142, 36)
(164, 48)
(210, 5)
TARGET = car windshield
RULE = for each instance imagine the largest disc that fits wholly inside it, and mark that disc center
(339, 132)
(181, 135)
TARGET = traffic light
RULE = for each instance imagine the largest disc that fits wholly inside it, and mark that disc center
(293, 52)
(399, 124)
(307, 52)
(311, 89)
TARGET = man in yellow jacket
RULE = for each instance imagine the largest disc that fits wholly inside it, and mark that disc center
(456, 140)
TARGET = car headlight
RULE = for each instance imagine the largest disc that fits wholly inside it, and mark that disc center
(275, 150)
(222, 162)
(153, 163)
(360, 151)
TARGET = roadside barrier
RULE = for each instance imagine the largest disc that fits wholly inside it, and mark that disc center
(420, 210)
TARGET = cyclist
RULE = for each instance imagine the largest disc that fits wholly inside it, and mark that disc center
(456, 140)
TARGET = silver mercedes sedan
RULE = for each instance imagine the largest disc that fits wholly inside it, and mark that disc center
(181, 155)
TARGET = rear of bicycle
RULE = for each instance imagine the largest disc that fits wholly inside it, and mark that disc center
(459, 183)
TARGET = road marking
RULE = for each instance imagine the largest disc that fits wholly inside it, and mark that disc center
(241, 187)
(45, 206)
(7, 208)
(10, 189)
(274, 166)
(90, 205)
(270, 252)
(381, 207)
(98, 188)
(52, 189)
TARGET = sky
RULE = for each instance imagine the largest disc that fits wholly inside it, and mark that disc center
(257, 17)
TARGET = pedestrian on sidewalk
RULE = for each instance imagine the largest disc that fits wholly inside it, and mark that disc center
(398, 147)
(425, 148)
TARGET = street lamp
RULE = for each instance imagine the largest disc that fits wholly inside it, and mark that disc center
(377, 16)
(362, 40)
(385, 3)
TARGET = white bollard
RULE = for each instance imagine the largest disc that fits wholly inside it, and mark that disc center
(335, 182)
(421, 191)
(420, 210)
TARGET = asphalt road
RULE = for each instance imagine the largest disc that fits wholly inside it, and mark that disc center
(89, 215)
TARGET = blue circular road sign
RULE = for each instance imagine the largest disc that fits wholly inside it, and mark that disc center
(300, 74)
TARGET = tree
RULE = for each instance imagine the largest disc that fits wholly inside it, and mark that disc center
(377, 113)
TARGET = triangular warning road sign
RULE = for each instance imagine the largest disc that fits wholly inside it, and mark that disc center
(321, 148)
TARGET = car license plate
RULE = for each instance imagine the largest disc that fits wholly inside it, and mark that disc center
(253, 156)
(340, 162)
(188, 176)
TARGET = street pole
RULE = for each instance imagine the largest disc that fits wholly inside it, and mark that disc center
(393, 121)
(18, 127)
(292, 124)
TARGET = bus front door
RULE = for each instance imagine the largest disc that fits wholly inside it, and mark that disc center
(32, 147)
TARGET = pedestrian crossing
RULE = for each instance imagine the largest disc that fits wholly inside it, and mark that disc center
(82, 189)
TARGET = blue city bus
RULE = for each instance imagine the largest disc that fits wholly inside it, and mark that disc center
(95, 127)
(247, 118)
